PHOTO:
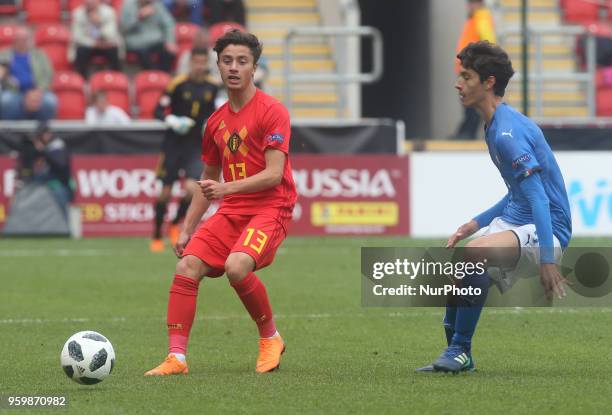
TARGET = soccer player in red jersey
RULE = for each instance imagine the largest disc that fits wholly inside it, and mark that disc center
(246, 140)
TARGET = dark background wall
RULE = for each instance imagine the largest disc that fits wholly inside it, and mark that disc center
(403, 92)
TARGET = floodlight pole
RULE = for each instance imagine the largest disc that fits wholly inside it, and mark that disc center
(525, 56)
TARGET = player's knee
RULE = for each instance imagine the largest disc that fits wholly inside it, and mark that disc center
(189, 266)
(236, 269)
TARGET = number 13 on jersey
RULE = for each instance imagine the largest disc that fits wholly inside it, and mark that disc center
(256, 243)
(238, 171)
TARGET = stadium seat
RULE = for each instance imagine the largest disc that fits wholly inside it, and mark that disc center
(149, 86)
(69, 88)
(580, 11)
(8, 8)
(42, 11)
(604, 102)
(603, 77)
(7, 33)
(54, 40)
(185, 33)
(116, 85)
(219, 29)
(73, 4)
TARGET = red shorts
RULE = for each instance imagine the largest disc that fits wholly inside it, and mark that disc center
(258, 236)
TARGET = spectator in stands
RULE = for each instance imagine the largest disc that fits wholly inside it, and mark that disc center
(226, 11)
(200, 41)
(45, 159)
(94, 33)
(478, 26)
(148, 30)
(102, 113)
(29, 96)
(194, 9)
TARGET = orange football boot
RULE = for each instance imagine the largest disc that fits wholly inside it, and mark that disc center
(157, 245)
(270, 351)
(170, 366)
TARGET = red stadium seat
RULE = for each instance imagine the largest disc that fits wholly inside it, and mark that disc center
(604, 102)
(149, 87)
(73, 4)
(7, 33)
(116, 85)
(185, 33)
(581, 11)
(43, 11)
(8, 8)
(69, 88)
(54, 40)
(219, 29)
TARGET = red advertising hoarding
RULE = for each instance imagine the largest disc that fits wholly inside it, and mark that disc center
(351, 195)
(337, 194)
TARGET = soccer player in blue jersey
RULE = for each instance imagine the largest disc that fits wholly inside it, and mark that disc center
(533, 220)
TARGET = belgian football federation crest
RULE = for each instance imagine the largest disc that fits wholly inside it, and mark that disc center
(234, 142)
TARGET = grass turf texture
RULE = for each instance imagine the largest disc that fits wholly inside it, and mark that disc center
(341, 358)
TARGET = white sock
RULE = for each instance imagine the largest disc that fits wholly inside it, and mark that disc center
(181, 357)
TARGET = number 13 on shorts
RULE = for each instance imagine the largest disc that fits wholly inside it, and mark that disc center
(255, 239)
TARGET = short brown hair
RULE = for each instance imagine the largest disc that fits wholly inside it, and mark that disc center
(238, 37)
(487, 59)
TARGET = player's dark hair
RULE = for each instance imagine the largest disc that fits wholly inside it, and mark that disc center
(199, 51)
(487, 59)
(238, 37)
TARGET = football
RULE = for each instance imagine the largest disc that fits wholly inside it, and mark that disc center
(87, 357)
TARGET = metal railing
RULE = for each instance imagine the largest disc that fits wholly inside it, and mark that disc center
(538, 75)
(343, 75)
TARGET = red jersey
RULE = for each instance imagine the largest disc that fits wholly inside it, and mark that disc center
(236, 141)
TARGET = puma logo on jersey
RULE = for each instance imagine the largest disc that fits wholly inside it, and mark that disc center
(509, 133)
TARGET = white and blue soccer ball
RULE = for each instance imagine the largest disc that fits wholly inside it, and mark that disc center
(87, 357)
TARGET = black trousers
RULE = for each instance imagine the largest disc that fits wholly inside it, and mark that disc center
(155, 57)
(84, 55)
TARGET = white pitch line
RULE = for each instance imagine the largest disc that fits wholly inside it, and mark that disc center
(59, 252)
(316, 316)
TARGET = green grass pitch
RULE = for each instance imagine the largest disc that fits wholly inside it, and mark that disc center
(341, 357)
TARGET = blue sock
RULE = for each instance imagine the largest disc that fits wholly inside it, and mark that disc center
(469, 309)
(449, 323)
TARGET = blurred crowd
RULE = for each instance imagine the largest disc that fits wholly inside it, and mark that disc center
(90, 36)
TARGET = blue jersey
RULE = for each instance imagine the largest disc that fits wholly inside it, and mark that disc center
(519, 150)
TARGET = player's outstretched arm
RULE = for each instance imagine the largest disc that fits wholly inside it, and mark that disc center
(265, 179)
(198, 206)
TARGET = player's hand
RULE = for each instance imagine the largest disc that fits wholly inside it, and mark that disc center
(212, 190)
(552, 280)
(463, 232)
(181, 243)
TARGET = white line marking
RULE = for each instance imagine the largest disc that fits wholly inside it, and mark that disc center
(316, 316)
(60, 252)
